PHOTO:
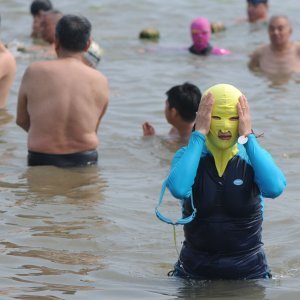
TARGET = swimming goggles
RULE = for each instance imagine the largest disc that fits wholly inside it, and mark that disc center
(181, 221)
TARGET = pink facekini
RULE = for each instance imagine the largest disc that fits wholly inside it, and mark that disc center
(201, 33)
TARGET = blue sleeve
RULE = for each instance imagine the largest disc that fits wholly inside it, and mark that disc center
(184, 167)
(268, 176)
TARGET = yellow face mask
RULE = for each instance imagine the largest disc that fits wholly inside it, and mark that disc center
(222, 138)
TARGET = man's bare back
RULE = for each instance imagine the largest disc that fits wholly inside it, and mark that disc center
(7, 73)
(65, 102)
(61, 102)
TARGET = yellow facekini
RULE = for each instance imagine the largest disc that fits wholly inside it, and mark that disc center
(224, 120)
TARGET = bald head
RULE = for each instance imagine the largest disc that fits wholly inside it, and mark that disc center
(280, 30)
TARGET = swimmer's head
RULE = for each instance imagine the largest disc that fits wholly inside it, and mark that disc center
(223, 131)
(93, 55)
(257, 1)
(184, 99)
(40, 5)
(257, 10)
(73, 33)
(201, 33)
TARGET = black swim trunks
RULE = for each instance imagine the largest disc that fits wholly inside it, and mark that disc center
(79, 159)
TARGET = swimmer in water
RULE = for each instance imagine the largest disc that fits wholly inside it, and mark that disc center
(37, 7)
(257, 10)
(222, 177)
(180, 111)
(282, 55)
(201, 34)
(61, 102)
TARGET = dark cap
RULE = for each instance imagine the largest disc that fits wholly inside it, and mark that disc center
(255, 2)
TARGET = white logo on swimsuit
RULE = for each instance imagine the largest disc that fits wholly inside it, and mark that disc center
(238, 182)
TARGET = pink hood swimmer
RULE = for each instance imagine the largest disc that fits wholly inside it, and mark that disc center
(201, 34)
(220, 51)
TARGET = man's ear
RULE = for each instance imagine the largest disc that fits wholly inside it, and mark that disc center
(87, 45)
(174, 112)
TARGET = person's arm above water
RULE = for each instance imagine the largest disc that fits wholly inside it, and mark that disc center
(268, 176)
(23, 119)
(184, 167)
(253, 63)
(148, 129)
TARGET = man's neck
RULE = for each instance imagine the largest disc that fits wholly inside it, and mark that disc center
(184, 129)
(282, 48)
(61, 53)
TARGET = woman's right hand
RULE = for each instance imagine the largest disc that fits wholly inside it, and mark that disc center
(203, 115)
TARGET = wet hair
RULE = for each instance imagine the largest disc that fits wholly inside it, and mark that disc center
(56, 14)
(40, 5)
(255, 2)
(73, 32)
(185, 99)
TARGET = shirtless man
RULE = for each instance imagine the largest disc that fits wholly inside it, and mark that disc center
(281, 56)
(180, 111)
(7, 73)
(61, 102)
(49, 21)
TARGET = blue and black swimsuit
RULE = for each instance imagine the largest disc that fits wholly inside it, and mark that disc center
(224, 239)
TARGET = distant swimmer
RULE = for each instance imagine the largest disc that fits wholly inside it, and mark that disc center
(257, 10)
(180, 111)
(7, 73)
(48, 24)
(201, 34)
(281, 56)
(36, 9)
(61, 102)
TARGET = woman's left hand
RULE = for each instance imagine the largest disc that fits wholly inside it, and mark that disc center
(245, 126)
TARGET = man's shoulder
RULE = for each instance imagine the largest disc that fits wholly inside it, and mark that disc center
(7, 57)
(44, 65)
(40, 65)
(262, 48)
(96, 74)
(297, 47)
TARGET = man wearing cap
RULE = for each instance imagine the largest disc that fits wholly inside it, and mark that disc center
(281, 55)
(61, 102)
(257, 10)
